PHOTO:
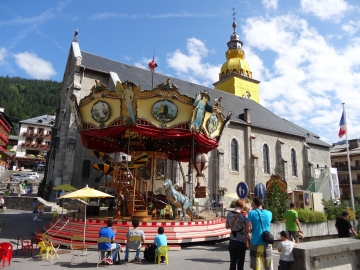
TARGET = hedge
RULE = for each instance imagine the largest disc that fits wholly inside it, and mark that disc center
(309, 216)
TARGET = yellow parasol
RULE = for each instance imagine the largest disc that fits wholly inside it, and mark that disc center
(232, 195)
(86, 192)
(65, 187)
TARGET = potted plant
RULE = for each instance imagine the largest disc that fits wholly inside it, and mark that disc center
(222, 191)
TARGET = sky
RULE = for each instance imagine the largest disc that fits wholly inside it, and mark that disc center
(306, 53)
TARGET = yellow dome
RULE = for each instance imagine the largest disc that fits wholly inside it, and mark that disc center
(235, 64)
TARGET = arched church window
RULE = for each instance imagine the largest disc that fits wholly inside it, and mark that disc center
(234, 156)
(293, 163)
(266, 159)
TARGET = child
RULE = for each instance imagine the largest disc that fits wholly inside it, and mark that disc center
(160, 240)
(285, 247)
(40, 211)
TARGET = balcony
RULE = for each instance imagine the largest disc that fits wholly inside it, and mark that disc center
(347, 182)
(35, 145)
(342, 169)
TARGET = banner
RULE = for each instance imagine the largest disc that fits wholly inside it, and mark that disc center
(334, 184)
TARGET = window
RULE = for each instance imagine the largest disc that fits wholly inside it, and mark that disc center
(293, 163)
(32, 152)
(86, 168)
(39, 141)
(266, 159)
(234, 156)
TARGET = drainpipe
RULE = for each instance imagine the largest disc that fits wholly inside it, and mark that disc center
(248, 172)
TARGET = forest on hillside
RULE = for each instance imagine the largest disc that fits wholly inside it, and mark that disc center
(25, 98)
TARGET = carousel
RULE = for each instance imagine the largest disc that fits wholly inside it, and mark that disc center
(153, 128)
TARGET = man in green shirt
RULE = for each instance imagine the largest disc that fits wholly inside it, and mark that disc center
(292, 224)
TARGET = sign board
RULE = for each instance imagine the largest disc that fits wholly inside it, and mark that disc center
(260, 191)
(242, 190)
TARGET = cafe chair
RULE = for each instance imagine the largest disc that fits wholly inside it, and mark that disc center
(134, 241)
(54, 214)
(6, 251)
(78, 248)
(105, 251)
(162, 251)
(46, 245)
(26, 245)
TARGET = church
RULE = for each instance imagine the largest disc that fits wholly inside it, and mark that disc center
(254, 144)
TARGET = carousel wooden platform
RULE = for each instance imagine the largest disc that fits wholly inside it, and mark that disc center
(209, 228)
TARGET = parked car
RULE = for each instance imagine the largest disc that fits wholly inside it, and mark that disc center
(29, 179)
(16, 177)
(32, 175)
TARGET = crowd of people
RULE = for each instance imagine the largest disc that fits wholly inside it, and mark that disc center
(25, 187)
(109, 232)
(246, 225)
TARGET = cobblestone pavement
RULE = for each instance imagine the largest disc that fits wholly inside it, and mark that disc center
(209, 255)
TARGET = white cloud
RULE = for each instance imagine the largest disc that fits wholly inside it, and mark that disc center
(2, 55)
(190, 66)
(351, 27)
(325, 9)
(34, 66)
(309, 77)
(270, 4)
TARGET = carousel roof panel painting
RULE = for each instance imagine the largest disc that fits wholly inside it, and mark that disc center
(130, 119)
(260, 116)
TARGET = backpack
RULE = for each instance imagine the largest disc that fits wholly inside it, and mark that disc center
(149, 253)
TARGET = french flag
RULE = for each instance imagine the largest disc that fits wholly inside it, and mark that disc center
(342, 125)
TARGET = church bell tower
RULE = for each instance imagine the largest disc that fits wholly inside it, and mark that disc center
(235, 76)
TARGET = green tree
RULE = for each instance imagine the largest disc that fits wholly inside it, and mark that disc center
(276, 201)
(24, 98)
(333, 208)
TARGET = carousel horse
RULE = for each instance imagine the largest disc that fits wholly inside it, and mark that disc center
(178, 200)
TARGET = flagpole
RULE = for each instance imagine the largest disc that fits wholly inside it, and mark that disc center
(348, 159)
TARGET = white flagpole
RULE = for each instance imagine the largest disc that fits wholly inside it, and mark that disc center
(348, 158)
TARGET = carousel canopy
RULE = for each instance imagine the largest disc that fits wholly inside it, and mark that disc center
(128, 119)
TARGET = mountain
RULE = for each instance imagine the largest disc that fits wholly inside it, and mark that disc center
(23, 98)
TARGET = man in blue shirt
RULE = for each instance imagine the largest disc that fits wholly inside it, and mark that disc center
(108, 232)
(260, 252)
(160, 240)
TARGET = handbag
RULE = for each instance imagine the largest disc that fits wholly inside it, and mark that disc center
(232, 225)
(267, 237)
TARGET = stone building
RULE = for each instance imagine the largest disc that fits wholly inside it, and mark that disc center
(339, 160)
(33, 141)
(255, 144)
